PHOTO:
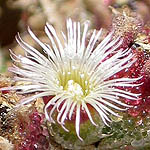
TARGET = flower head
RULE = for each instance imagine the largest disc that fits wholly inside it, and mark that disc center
(75, 73)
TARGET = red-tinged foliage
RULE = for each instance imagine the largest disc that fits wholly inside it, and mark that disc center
(33, 137)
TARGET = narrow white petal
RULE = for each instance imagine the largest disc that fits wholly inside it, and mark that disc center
(88, 113)
(72, 109)
(77, 123)
(33, 98)
(69, 102)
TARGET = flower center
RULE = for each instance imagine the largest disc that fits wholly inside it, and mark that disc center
(75, 89)
(75, 82)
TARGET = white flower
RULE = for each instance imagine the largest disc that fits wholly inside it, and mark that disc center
(75, 73)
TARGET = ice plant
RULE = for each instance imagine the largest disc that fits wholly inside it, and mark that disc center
(77, 74)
